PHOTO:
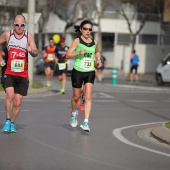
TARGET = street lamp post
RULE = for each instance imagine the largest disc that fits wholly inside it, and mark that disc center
(31, 14)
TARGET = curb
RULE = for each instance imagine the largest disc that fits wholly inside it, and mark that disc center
(38, 91)
(161, 133)
(30, 91)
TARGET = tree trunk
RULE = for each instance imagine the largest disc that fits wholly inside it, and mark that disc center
(133, 41)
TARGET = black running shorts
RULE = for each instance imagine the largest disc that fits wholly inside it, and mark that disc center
(20, 84)
(78, 78)
(134, 67)
(50, 64)
(59, 72)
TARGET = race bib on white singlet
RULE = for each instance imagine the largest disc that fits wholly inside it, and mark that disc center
(50, 57)
(61, 66)
(87, 64)
(17, 65)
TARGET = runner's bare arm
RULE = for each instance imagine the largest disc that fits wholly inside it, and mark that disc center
(71, 51)
(98, 56)
(31, 46)
(3, 38)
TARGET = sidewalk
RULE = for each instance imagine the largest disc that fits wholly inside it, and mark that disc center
(161, 133)
(30, 91)
(124, 77)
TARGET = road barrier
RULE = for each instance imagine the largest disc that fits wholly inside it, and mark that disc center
(114, 76)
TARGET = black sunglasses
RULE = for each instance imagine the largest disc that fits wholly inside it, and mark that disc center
(90, 29)
(19, 25)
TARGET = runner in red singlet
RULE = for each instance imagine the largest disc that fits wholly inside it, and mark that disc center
(49, 56)
(15, 78)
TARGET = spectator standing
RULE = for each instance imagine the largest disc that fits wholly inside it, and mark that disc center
(134, 66)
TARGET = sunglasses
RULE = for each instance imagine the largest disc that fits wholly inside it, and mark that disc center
(19, 25)
(89, 29)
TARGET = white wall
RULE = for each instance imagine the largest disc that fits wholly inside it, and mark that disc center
(120, 26)
(150, 56)
(54, 24)
(109, 57)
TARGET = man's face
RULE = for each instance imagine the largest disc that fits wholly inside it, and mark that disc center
(19, 25)
(62, 43)
(51, 42)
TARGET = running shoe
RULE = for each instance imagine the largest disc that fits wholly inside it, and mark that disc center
(73, 120)
(78, 102)
(7, 126)
(13, 129)
(82, 107)
(62, 91)
(48, 84)
(85, 126)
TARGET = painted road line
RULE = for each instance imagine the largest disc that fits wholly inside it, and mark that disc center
(20, 111)
(103, 101)
(118, 135)
(102, 95)
(32, 100)
(141, 101)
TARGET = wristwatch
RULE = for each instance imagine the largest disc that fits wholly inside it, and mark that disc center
(98, 58)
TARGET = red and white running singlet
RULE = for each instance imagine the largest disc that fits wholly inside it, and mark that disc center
(17, 62)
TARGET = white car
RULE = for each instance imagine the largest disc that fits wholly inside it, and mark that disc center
(163, 71)
(70, 64)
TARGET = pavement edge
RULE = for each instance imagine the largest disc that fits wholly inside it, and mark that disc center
(161, 133)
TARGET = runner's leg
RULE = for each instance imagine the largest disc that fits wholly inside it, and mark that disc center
(16, 106)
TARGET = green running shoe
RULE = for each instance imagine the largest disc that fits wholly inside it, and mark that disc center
(63, 91)
(85, 126)
(48, 84)
(7, 126)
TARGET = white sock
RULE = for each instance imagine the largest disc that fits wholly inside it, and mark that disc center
(86, 120)
(74, 113)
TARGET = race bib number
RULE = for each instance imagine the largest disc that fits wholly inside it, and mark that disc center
(87, 64)
(50, 57)
(17, 65)
(61, 66)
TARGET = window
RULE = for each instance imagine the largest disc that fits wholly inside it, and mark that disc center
(147, 39)
(123, 39)
(107, 41)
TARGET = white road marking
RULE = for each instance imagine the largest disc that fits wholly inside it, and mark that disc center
(32, 100)
(103, 101)
(20, 111)
(101, 95)
(141, 101)
(118, 135)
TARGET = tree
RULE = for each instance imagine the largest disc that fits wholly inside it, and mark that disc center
(70, 11)
(73, 11)
(140, 12)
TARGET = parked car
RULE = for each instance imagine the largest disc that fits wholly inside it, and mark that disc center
(163, 71)
(39, 65)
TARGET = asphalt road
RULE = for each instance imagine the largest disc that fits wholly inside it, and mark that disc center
(119, 138)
